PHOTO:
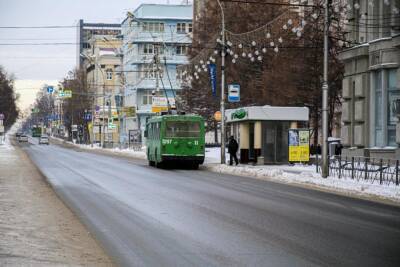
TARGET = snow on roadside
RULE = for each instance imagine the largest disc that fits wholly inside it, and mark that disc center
(298, 174)
(126, 152)
(305, 175)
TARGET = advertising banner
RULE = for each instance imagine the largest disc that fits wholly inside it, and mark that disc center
(212, 69)
(160, 104)
(299, 145)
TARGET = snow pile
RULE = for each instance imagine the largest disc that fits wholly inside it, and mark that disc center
(126, 152)
(306, 175)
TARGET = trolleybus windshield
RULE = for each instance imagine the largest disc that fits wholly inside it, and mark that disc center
(182, 129)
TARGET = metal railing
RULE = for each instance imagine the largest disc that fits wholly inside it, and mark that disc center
(382, 171)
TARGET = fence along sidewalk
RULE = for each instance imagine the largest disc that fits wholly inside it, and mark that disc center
(384, 171)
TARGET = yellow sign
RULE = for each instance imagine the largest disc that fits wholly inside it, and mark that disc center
(129, 111)
(160, 103)
(299, 145)
(158, 109)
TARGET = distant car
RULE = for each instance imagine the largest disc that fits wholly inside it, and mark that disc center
(23, 138)
(18, 134)
(43, 139)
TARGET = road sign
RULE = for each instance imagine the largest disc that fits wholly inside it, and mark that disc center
(87, 116)
(35, 110)
(1, 129)
(50, 89)
(233, 92)
(65, 94)
(1, 116)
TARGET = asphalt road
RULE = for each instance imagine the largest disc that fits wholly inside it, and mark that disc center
(144, 216)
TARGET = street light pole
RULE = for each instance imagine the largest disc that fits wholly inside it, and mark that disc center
(325, 90)
(223, 160)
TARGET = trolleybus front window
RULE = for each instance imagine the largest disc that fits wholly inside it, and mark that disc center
(182, 129)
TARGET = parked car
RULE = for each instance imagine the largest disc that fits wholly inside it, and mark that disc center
(18, 134)
(23, 138)
(43, 139)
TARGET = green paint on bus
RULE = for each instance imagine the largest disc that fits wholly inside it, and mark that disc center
(175, 138)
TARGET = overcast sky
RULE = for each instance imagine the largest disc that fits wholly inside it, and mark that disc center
(49, 63)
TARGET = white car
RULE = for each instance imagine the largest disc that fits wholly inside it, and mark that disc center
(23, 138)
(43, 139)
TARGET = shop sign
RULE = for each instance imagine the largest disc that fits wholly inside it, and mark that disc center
(160, 104)
(239, 114)
(299, 145)
(129, 111)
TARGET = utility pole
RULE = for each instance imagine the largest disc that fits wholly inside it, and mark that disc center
(223, 160)
(325, 90)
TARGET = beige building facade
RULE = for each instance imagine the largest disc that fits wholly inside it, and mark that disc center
(102, 63)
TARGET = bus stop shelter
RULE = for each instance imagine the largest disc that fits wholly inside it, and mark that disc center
(262, 131)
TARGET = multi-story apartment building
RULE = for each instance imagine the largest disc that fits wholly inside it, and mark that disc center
(371, 86)
(86, 31)
(156, 38)
(101, 63)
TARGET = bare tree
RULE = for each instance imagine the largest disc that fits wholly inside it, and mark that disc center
(285, 46)
(8, 99)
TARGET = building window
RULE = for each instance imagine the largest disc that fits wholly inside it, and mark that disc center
(109, 74)
(385, 96)
(148, 49)
(147, 97)
(181, 50)
(393, 96)
(181, 27)
(190, 28)
(153, 27)
(179, 74)
(150, 71)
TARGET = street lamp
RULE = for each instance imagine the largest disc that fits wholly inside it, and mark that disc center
(223, 160)
(325, 91)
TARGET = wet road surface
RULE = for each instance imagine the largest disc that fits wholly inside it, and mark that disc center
(145, 216)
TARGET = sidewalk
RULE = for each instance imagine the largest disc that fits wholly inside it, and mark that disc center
(36, 228)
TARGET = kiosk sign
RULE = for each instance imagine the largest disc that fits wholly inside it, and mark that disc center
(299, 145)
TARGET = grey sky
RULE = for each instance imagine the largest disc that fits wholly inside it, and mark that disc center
(54, 61)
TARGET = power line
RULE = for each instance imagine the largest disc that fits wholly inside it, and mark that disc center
(269, 3)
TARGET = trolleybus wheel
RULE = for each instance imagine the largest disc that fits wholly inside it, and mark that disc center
(194, 166)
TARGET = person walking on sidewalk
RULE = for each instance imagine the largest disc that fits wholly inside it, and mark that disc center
(232, 150)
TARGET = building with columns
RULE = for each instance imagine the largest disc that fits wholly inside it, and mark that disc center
(371, 84)
(262, 131)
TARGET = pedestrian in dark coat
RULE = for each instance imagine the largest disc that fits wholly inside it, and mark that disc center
(233, 147)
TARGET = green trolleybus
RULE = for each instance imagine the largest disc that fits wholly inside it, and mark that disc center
(175, 139)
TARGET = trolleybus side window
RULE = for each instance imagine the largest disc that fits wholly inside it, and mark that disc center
(182, 129)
